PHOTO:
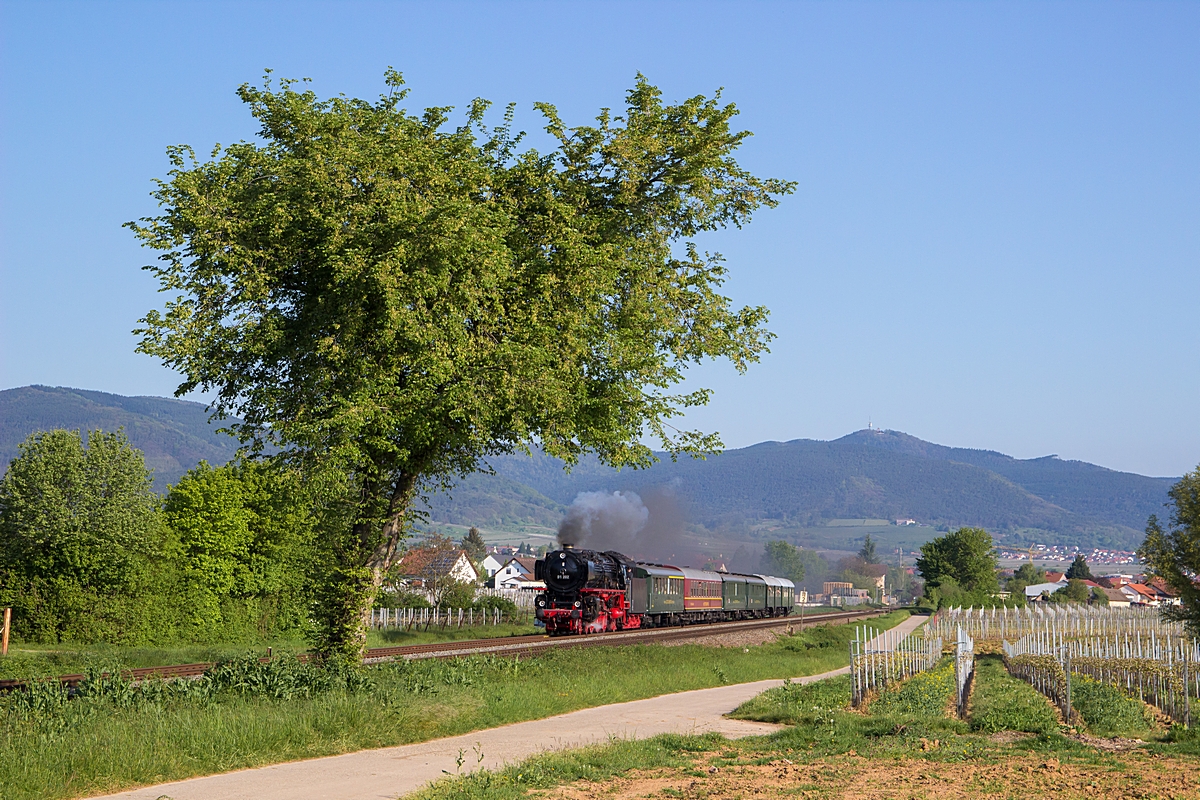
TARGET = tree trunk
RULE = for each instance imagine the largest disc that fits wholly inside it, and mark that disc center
(349, 582)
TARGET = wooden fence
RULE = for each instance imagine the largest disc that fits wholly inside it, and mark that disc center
(442, 618)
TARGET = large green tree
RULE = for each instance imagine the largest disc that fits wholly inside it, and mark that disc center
(1079, 569)
(389, 300)
(965, 555)
(783, 560)
(1173, 553)
(78, 522)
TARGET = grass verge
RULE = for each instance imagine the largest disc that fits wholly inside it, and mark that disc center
(123, 738)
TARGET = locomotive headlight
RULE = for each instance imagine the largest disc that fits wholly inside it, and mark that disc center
(541, 602)
(578, 604)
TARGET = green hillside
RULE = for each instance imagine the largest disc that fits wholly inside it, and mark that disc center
(174, 434)
(804, 484)
(765, 490)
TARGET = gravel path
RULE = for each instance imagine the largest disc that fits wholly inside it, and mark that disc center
(391, 772)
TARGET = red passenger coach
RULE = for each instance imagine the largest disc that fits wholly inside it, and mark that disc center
(701, 590)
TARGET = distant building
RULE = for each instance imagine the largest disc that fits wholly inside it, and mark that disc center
(836, 588)
(1116, 598)
(906, 522)
(1035, 591)
(422, 565)
(515, 572)
(492, 564)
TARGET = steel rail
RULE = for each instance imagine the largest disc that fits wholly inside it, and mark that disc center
(500, 645)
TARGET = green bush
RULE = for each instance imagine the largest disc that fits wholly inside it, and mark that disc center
(488, 603)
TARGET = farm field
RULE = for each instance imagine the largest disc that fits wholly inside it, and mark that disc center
(115, 736)
(904, 744)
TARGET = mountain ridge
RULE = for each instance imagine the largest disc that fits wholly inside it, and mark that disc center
(797, 483)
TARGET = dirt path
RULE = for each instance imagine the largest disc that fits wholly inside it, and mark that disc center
(391, 772)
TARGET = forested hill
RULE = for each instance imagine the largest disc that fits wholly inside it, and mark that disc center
(877, 474)
(174, 434)
(802, 483)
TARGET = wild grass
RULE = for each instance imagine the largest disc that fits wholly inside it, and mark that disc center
(798, 704)
(925, 694)
(33, 661)
(1107, 710)
(53, 747)
(1003, 703)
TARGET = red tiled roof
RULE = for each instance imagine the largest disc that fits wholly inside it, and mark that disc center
(423, 561)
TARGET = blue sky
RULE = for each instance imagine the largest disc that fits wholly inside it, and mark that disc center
(994, 242)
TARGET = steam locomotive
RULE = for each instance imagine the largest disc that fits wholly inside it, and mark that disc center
(588, 591)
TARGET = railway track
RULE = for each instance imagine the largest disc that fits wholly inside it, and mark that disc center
(507, 646)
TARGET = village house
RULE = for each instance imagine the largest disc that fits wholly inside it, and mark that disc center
(492, 564)
(516, 572)
(423, 565)
(1116, 598)
(1035, 591)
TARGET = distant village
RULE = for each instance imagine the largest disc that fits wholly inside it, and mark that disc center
(1064, 554)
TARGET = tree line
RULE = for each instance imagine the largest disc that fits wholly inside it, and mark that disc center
(89, 552)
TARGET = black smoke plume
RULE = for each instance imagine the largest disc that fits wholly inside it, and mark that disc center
(648, 529)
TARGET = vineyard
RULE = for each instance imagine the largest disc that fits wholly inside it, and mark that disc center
(1060, 648)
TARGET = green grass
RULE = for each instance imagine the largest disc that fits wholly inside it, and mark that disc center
(32, 660)
(92, 746)
(1107, 710)
(1003, 703)
(798, 704)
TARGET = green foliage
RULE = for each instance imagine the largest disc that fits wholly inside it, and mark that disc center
(964, 555)
(1025, 575)
(1076, 591)
(1001, 702)
(474, 545)
(405, 299)
(241, 531)
(867, 553)
(82, 514)
(783, 560)
(81, 538)
(1107, 710)
(926, 693)
(1079, 569)
(490, 602)
(1174, 553)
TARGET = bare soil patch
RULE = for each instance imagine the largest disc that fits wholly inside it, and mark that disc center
(853, 777)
